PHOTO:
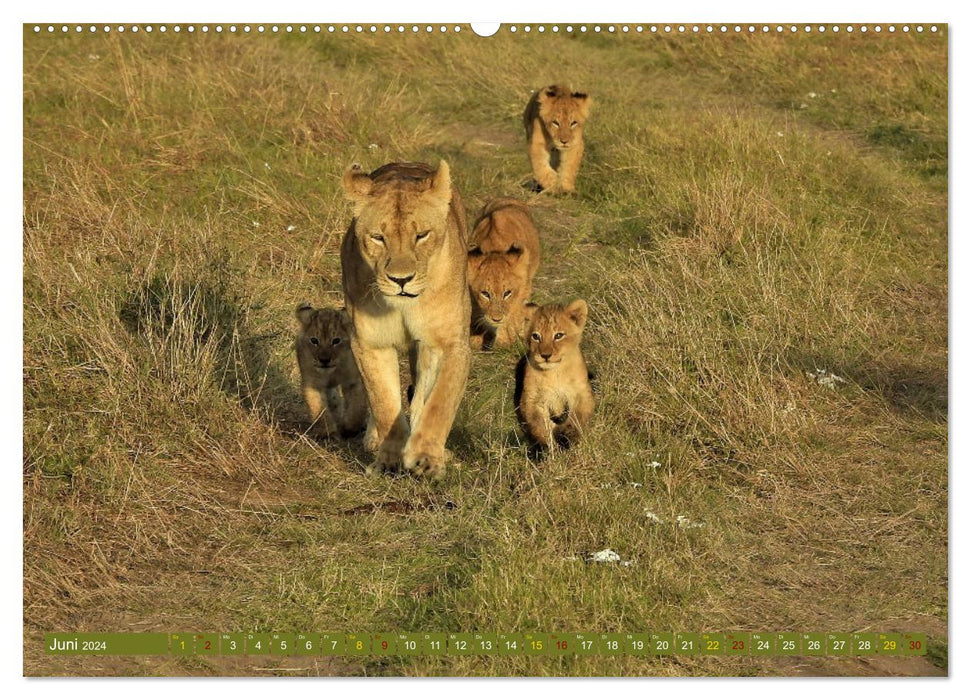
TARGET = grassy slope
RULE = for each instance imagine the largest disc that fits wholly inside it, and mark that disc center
(732, 234)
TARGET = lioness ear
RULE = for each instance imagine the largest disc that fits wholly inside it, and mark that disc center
(577, 311)
(441, 188)
(357, 184)
(305, 313)
(583, 102)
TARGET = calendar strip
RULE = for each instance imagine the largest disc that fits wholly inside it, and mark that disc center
(362, 644)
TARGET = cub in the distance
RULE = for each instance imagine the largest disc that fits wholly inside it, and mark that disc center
(503, 259)
(554, 119)
(331, 383)
(553, 397)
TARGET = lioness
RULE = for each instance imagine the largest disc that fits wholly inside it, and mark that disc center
(403, 269)
(329, 377)
(554, 119)
(503, 259)
(553, 397)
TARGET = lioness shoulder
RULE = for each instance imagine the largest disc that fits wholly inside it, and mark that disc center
(329, 378)
(554, 120)
(553, 398)
(503, 259)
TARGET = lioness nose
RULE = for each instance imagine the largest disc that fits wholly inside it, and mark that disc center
(401, 281)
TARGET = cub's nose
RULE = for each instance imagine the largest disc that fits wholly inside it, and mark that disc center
(401, 281)
(546, 356)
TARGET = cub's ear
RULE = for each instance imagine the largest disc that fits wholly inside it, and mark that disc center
(441, 188)
(577, 311)
(305, 314)
(584, 101)
(530, 309)
(345, 317)
(357, 183)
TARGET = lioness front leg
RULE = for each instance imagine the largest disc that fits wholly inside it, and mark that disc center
(387, 429)
(539, 158)
(437, 401)
(569, 166)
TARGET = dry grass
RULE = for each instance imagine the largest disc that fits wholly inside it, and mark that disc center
(181, 196)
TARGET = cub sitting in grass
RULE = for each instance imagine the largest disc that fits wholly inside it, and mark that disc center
(553, 397)
(331, 383)
(503, 260)
(554, 119)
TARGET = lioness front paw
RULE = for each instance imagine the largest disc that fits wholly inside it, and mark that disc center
(385, 462)
(426, 463)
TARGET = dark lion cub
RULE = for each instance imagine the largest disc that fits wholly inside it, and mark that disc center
(331, 383)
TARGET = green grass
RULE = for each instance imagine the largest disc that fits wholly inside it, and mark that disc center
(733, 235)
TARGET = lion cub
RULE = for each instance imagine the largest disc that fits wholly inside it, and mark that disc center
(554, 400)
(331, 383)
(554, 119)
(503, 260)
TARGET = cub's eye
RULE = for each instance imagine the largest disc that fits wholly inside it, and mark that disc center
(555, 123)
(314, 341)
(421, 236)
(573, 123)
(335, 341)
(536, 336)
(485, 294)
(558, 336)
(377, 238)
(506, 294)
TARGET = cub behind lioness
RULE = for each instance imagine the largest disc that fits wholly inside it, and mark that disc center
(553, 398)
(503, 259)
(554, 119)
(331, 384)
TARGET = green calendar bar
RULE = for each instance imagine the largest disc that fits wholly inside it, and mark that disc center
(813, 644)
(914, 644)
(738, 643)
(712, 644)
(384, 644)
(307, 645)
(113, 643)
(232, 644)
(484, 643)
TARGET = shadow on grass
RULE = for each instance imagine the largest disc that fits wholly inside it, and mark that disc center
(196, 332)
(905, 387)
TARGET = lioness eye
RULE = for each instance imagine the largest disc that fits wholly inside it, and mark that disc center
(377, 238)
(558, 336)
(422, 236)
(335, 341)
(484, 294)
(506, 294)
(573, 123)
(314, 341)
(536, 336)
(555, 123)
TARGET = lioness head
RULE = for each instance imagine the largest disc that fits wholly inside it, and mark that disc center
(554, 331)
(498, 284)
(324, 336)
(401, 215)
(563, 113)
